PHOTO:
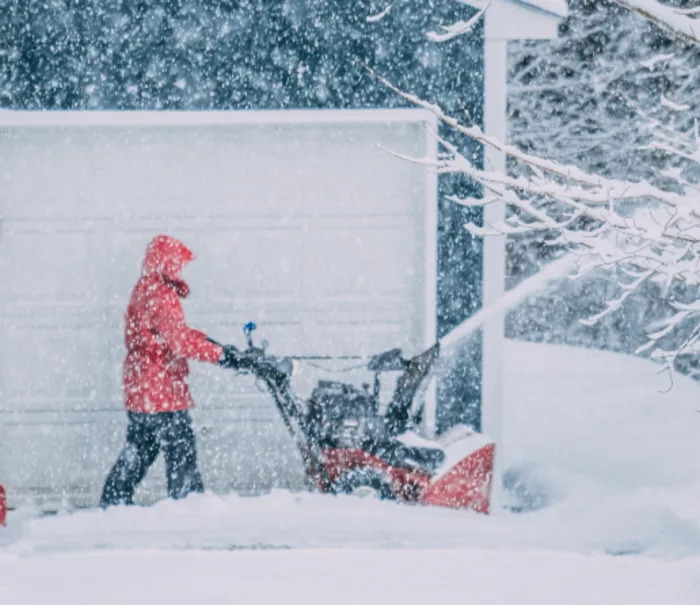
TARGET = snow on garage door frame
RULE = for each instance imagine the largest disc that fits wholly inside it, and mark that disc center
(299, 220)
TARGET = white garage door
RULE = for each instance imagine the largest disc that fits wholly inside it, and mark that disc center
(299, 221)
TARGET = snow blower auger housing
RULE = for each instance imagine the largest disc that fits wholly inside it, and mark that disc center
(349, 446)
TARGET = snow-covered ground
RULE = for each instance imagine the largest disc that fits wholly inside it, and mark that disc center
(607, 464)
(348, 577)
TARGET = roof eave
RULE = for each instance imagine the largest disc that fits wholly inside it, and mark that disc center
(533, 5)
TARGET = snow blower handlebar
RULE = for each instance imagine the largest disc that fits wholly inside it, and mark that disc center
(276, 372)
(255, 360)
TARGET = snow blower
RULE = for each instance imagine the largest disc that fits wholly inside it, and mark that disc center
(348, 446)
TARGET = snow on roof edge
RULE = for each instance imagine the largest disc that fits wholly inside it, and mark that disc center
(130, 118)
(558, 8)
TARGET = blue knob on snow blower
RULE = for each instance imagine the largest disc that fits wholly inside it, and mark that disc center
(248, 329)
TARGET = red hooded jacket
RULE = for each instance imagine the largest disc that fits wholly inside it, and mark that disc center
(158, 341)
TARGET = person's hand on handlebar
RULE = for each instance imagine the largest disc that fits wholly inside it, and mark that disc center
(231, 358)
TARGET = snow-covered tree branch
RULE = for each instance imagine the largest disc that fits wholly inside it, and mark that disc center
(678, 22)
(637, 230)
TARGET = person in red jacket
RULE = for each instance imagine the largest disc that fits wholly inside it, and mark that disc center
(159, 344)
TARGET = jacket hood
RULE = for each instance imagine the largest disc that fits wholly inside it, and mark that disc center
(165, 258)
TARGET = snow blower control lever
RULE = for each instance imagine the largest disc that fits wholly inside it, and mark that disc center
(248, 330)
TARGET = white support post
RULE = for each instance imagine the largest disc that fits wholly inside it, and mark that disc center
(494, 267)
(429, 426)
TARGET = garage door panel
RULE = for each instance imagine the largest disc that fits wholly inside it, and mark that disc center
(60, 369)
(354, 338)
(70, 266)
(31, 169)
(95, 173)
(371, 262)
(305, 159)
(73, 457)
(88, 171)
(30, 267)
(249, 263)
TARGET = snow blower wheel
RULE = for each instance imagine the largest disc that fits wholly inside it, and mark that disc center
(364, 483)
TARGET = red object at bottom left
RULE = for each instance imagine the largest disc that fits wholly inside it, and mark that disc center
(3, 506)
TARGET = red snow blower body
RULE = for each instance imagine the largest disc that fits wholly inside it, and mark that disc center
(349, 446)
(3, 506)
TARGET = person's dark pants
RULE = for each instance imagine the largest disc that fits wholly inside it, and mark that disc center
(146, 436)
